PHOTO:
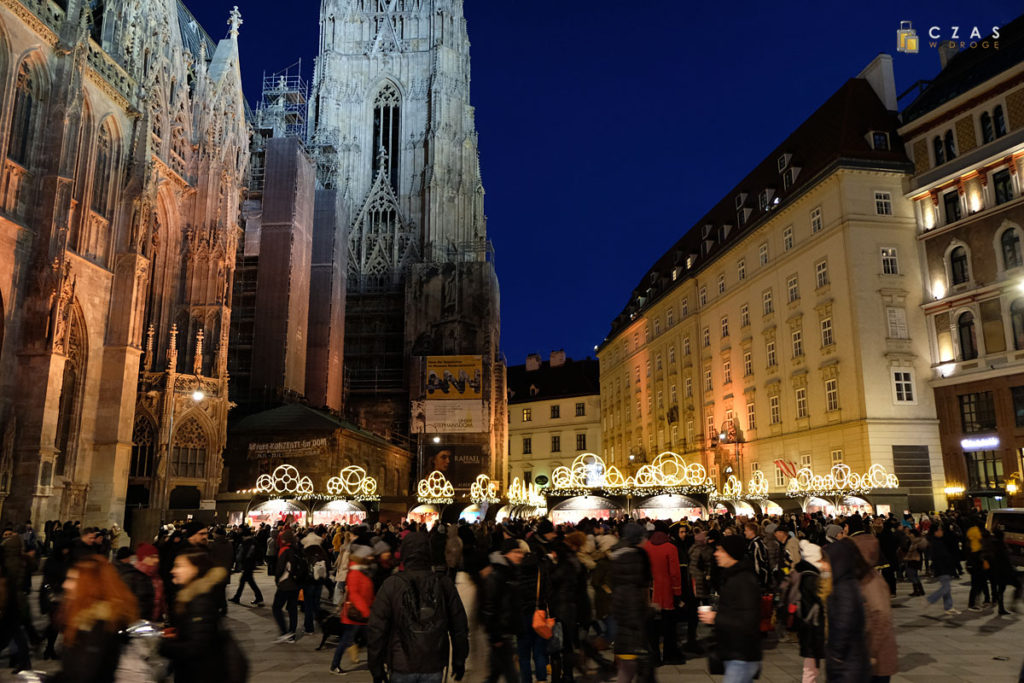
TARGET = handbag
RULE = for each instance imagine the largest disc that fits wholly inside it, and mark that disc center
(353, 614)
(542, 624)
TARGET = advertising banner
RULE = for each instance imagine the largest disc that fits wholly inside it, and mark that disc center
(448, 417)
(288, 449)
(454, 377)
(459, 463)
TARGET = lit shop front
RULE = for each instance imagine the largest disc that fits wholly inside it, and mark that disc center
(287, 496)
(433, 494)
(666, 488)
(734, 500)
(524, 502)
(844, 492)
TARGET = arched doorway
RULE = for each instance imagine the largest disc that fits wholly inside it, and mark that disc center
(184, 498)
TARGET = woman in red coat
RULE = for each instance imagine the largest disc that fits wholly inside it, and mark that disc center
(668, 586)
(355, 611)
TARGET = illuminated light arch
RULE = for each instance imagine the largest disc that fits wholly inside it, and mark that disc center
(483, 490)
(284, 480)
(354, 482)
(435, 489)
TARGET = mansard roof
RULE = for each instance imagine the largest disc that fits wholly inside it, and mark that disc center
(838, 133)
(573, 378)
(970, 68)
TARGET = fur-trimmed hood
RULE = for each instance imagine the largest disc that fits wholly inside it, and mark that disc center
(201, 585)
(98, 611)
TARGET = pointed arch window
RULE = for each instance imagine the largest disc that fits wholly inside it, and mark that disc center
(386, 120)
(968, 340)
(143, 446)
(101, 179)
(70, 401)
(1010, 242)
(25, 116)
(958, 265)
(188, 457)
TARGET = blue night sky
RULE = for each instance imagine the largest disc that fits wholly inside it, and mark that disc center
(608, 128)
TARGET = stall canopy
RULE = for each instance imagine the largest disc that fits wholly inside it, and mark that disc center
(341, 511)
(574, 509)
(848, 506)
(670, 506)
(276, 510)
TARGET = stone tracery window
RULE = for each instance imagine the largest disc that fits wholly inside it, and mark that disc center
(26, 116)
(386, 120)
(102, 172)
(143, 446)
(70, 402)
(188, 458)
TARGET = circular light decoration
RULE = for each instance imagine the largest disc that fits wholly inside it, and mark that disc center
(840, 482)
(435, 489)
(353, 482)
(667, 473)
(758, 486)
(525, 494)
(483, 490)
(284, 480)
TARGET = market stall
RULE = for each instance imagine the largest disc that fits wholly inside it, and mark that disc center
(670, 506)
(433, 494)
(841, 491)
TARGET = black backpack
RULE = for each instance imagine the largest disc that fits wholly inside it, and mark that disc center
(424, 622)
(299, 570)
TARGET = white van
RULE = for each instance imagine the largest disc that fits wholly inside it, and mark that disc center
(1011, 521)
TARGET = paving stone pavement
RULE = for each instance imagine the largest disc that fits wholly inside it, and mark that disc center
(975, 646)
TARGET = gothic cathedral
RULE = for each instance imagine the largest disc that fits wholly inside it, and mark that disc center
(124, 143)
(393, 132)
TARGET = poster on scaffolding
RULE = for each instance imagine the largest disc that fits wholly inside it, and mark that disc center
(454, 377)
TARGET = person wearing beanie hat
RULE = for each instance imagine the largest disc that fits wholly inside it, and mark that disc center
(196, 533)
(147, 561)
(138, 583)
(737, 621)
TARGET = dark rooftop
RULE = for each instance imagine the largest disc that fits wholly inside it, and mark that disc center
(836, 132)
(574, 378)
(970, 68)
(296, 418)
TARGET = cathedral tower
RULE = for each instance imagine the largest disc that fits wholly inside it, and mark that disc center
(394, 133)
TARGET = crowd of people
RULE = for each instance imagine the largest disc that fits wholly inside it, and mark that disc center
(520, 601)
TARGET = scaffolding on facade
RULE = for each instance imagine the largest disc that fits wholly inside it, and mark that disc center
(280, 113)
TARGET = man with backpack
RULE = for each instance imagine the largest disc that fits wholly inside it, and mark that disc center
(414, 616)
(292, 572)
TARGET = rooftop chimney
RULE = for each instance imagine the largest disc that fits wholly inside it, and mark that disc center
(558, 358)
(533, 362)
(880, 76)
(947, 50)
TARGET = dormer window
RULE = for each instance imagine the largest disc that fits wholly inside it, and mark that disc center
(783, 162)
(789, 177)
(740, 198)
(880, 140)
(742, 215)
(764, 200)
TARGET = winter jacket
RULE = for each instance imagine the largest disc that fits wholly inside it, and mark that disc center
(918, 547)
(878, 617)
(665, 572)
(94, 655)
(388, 644)
(702, 559)
(359, 592)
(630, 580)
(757, 553)
(569, 601)
(223, 554)
(500, 609)
(810, 620)
(846, 649)
(943, 563)
(600, 577)
(140, 585)
(247, 554)
(738, 620)
(283, 568)
(198, 650)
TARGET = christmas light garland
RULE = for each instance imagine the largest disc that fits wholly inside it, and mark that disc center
(353, 482)
(668, 473)
(757, 489)
(284, 480)
(840, 482)
(435, 490)
(525, 495)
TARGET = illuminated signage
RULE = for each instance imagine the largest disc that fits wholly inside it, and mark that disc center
(980, 443)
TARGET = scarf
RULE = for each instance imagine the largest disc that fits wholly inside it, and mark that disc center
(153, 572)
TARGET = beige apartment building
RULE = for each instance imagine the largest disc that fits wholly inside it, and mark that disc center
(783, 329)
(554, 415)
(965, 134)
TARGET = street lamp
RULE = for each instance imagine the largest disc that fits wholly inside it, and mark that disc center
(198, 395)
(437, 439)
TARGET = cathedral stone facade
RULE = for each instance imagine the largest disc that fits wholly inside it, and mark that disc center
(124, 142)
(393, 132)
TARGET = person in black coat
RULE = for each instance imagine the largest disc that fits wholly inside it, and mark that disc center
(570, 605)
(846, 648)
(248, 555)
(682, 539)
(393, 646)
(737, 622)
(631, 582)
(943, 568)
(500, 611)
(138, 583)
(200, 650)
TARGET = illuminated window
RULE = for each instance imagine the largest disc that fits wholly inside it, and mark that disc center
(527, 414)
(890, 262)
